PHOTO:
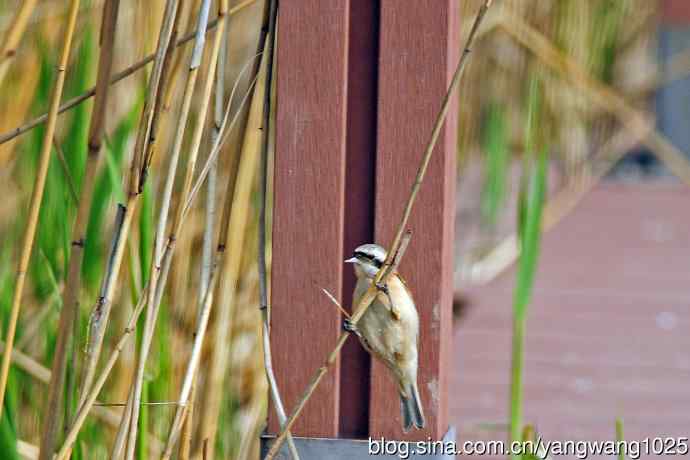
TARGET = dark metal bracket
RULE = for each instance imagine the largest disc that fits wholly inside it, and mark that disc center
(361, 449)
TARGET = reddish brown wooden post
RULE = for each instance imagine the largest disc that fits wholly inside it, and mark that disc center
(675, 11)
(309, 204)
(359, 84)
(417, 56)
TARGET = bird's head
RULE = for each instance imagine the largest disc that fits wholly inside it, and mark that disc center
(367, 259)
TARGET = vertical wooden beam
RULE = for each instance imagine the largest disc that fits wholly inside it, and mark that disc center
(359, 200)
(309, 204)
(419, 49)
(675, 12)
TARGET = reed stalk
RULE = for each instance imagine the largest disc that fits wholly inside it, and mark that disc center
(228, 242)
(121, 75)
(14, 36)
(101, 311)
(153, 300)
(101, 410)
(92, 393)
(70, 311)
(36, 197)
(388, 266)
(207, 255)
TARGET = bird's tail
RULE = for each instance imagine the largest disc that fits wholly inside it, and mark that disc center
(411, 409)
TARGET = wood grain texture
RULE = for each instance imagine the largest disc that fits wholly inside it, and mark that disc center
(675, 11)
(418, 53)
(309, 204)
(359, 200)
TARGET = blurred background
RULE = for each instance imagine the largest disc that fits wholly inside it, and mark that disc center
(614, 111)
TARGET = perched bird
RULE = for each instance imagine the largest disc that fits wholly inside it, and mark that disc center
(389, 329)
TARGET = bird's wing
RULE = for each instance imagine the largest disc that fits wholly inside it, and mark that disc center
(385, 299)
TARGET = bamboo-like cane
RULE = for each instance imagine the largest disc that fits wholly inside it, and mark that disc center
(95, 389)
(153, 301)
(36, 197)
(122, 74)
(208, 415)
(14, 35)
(101, 311)
(42, 374)
(388, 266)
(231, 242)
(207, 256)
(70, 309)
(162, 97)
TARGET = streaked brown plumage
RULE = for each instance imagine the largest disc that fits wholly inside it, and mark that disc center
(389, 330)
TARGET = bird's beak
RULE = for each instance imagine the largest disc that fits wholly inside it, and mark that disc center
(351, 260)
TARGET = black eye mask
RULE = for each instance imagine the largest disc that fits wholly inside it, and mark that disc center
(365, 256)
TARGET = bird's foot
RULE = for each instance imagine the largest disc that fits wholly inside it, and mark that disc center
(383, 287)
(349, 326)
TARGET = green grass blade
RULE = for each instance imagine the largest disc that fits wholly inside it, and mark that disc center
(530, 205)
(497, 156)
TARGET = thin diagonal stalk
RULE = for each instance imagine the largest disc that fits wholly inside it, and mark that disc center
(101, 411)
(155, 293)
(193, 363)
(227, 242)
(70, 310)
(36, 197)
(207, 255)
(152, 306)
(389, 264)
(168, 87)
(101, 311)
(14, 35)
(75, 101)
(209, 416)
(261, 255)
(92, 393)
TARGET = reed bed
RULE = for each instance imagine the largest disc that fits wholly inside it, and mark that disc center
(93, 263)
(135, 225)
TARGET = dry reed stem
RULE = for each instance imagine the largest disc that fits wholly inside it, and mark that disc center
(599, 94)
(229, 268)
(42, 374)
(193, 362)
(95, 389)
(70, 305)
(162, 97)
(208, 419)
(207, 255)
(395, 253)
(188, 427)
(75, 101)
(36, 197)
(101, 311)
(154, 302)
(14, 35)
(261, 253)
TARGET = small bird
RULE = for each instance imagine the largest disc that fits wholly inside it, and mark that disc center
(389, 329)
